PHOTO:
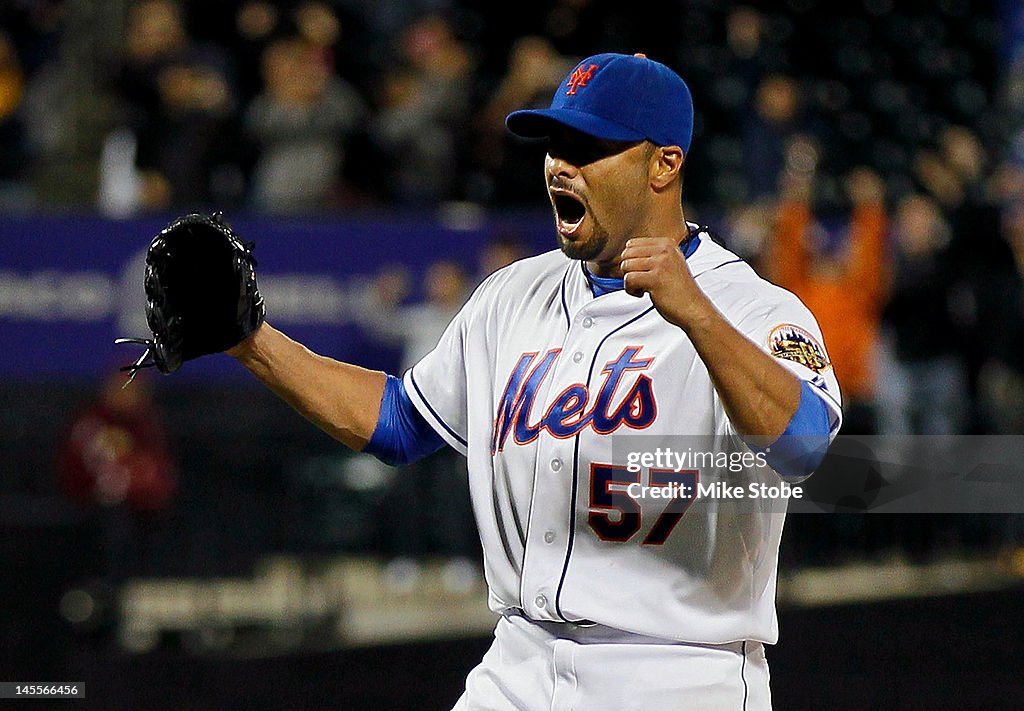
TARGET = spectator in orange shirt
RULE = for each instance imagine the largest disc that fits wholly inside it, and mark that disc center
(845, 288)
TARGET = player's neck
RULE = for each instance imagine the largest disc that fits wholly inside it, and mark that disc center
(604, 270)
(665, 219)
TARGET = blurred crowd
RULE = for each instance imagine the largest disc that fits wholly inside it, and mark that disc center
(869, 157)
(307, 106)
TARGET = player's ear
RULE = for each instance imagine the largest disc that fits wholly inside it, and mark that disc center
(665, 166)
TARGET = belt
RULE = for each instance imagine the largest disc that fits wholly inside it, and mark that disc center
(583, 631)
(573, 625)
(587, 632)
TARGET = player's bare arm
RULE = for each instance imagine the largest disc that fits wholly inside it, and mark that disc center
(759, 395)
(341, 399)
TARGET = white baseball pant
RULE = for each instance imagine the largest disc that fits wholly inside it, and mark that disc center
(542, 666)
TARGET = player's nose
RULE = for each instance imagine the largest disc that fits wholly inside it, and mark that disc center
(560, 167)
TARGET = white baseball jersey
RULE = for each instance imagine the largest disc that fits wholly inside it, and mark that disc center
(533, 379)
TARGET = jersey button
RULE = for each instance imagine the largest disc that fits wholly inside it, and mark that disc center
(541, 601)
(556, 465)
(549, 537)
(588, 322)
(577, 357)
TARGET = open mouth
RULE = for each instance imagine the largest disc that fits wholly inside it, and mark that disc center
(569, 211)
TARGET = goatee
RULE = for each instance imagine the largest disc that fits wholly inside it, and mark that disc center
(586, 250)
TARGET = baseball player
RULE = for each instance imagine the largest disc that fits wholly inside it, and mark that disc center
(639, 324)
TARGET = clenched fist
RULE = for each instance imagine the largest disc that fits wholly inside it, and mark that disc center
(656, 266)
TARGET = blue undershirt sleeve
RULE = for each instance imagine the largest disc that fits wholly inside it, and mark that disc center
(402, 435)
(801, 448)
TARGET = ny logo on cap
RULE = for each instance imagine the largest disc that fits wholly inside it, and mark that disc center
(579, 78)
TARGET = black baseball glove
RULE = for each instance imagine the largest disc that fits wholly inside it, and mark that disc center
(201, 293)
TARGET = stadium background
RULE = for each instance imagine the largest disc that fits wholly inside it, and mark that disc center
(203, 547)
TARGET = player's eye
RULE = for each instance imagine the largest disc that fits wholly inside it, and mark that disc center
(580, 149)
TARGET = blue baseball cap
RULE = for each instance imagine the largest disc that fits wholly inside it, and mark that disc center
(618, 97)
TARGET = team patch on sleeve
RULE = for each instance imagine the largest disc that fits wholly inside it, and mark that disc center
(791, 342)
